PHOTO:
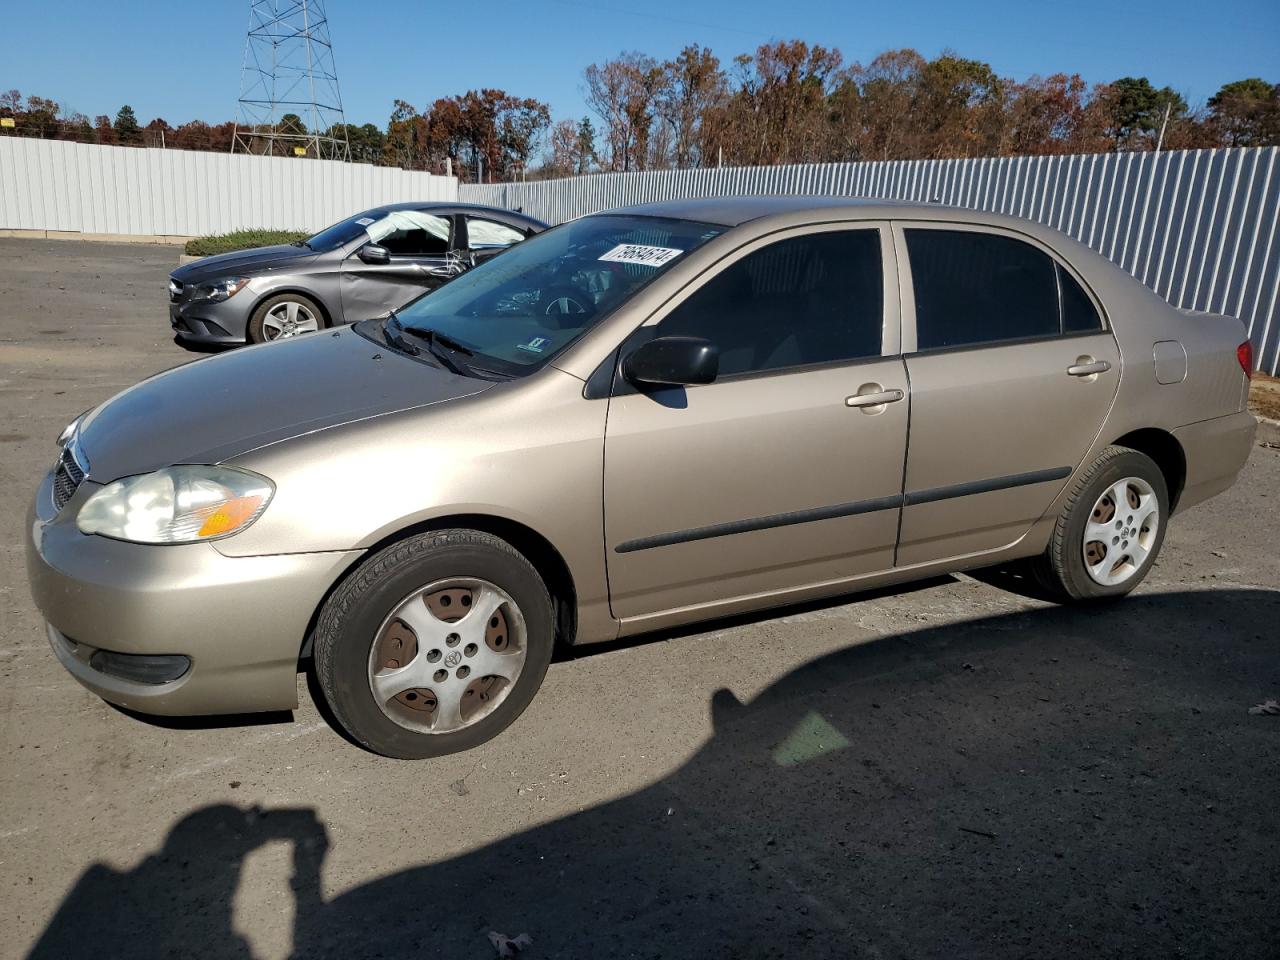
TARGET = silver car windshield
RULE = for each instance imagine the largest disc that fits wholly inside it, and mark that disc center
(517, 311)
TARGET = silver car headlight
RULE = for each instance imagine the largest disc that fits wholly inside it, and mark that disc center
(220, 289)
(182, 504)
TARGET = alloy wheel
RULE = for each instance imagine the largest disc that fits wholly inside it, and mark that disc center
(288, 319)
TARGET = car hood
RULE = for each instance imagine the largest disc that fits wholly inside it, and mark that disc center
(223, 406)
(245, 262)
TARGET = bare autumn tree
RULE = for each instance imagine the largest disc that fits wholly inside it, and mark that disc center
(563, 159)
(693, 84)
(622, 93)
(959, 108)
(778, 111)
(889, 91)
(1057, 114)
(485, 133)
(406, 143)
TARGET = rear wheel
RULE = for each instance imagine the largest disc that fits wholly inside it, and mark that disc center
(1110, 531)
(284, 315)
(435, 644)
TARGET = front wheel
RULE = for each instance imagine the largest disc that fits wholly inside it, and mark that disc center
(1110, 531)
(435, 644)
(284, 315)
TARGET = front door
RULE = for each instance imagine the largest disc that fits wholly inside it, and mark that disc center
(422, 258)
(1012, 374)
(780, 474)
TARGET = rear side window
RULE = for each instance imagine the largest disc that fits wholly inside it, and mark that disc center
(975, 288)
(488, 233)
(812, 299)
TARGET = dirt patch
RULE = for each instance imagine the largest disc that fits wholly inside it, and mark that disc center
(1264, 396)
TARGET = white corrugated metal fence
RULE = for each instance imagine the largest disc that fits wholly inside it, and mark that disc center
(89, 188)
(1199, 227)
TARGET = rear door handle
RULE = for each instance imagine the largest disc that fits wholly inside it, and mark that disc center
(874, 399)
(1085, 367)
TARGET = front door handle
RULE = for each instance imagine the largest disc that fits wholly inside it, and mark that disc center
(1087, 367)
(877, 398)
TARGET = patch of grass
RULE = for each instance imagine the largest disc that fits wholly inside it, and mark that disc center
(239, 240)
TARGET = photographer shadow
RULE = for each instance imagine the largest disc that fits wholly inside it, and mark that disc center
(1051, 782)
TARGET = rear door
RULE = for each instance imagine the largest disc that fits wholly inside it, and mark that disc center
(1012, 373)
(780, 474)
(422, 248)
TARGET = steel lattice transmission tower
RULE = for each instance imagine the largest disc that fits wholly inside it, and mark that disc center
(289, 69)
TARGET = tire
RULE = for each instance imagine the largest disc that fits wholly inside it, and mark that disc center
(359, 636)
(1090, 558)
(268, 313)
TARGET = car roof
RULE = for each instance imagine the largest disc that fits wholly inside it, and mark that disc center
(444, 207)
(737, 210)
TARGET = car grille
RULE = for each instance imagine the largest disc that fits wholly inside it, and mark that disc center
(67, 477)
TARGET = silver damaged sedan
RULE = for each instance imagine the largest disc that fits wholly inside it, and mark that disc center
(639, 419)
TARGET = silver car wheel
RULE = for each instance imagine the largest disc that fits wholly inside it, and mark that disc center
(288, 319)
(448, 655)
(1121, 531)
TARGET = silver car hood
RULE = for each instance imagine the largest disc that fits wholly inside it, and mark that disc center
(244, 262)
(223, 406)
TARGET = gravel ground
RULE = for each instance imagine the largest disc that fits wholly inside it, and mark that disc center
(953, 769)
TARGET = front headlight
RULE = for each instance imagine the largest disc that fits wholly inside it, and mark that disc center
(177, 505)
(221, 289)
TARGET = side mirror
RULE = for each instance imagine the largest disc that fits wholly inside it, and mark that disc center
(373, 254)
(673, 362)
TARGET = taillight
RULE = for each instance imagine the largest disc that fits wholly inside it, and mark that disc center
(1244, 353)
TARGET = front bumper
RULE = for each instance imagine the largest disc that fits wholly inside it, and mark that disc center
(208, 321)
(240, 620)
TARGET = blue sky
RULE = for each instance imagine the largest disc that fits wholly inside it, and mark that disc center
(182, 60)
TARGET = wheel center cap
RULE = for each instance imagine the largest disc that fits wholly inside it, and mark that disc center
(453, 659)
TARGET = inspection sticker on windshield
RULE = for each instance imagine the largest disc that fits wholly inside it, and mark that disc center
(535, 345)
(640, 254)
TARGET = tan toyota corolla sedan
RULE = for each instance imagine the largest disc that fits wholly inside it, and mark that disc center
(642, 418)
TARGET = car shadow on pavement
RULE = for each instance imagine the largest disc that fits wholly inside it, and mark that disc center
(1053, 783)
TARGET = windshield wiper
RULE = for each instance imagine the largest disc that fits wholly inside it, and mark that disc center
(439, 345)
(391, 330)
(302, 243)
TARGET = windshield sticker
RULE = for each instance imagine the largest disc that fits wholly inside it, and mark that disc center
(365, 221)
(642, 255)
(535, 344)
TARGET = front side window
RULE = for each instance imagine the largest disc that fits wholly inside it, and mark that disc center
(515, 312)
(403, 232)
(811, 299)
(486, 234)
(974, 288)
(411, 233)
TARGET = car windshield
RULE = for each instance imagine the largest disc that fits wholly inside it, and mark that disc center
(514, 313)
(376, 225)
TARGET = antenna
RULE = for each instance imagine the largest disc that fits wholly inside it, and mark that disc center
(289, 72)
